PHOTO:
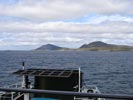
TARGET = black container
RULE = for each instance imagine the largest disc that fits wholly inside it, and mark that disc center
(61, 83)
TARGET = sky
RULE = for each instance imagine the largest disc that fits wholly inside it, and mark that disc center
(28, 24)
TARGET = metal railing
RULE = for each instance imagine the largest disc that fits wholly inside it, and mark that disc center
(68, 93)
(10, 95)
(16, 85)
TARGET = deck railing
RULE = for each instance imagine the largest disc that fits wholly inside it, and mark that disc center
(67, 93)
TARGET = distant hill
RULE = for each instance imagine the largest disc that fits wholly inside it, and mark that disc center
(49, 47)
(93, 46)
(98, 45)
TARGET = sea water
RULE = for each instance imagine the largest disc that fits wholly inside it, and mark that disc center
(111, 72)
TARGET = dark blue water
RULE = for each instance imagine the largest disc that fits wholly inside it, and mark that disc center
(112, 72)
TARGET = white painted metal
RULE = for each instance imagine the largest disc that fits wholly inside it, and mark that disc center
(26, 96)
(79, 78)
(23, 79)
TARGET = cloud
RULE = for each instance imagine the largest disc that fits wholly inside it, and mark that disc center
(97, 19)
(47, 10)
(64, 33)
(67, 27)
(68, 23)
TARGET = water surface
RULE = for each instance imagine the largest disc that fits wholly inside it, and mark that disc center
(112, 72)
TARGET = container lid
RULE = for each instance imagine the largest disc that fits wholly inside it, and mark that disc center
(46, 72)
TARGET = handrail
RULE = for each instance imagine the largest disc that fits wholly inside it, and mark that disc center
(16, 85)
(78, 94)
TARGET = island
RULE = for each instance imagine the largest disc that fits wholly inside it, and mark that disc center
(93, 46)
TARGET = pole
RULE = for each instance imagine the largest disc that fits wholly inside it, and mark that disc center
(24, 84)
(79, 79)
(23, 78)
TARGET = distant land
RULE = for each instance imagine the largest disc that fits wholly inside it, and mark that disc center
(51, 47)
(99, 46)
(93, 46)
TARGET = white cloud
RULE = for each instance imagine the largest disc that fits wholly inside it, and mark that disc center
(66, 22)
(45, 10)
(64, 27)
(102, 18)
(57, 32)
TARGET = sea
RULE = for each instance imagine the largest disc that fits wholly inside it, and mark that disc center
(110, 71)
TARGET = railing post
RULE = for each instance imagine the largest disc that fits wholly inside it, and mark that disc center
(25, 83)
(12, 96)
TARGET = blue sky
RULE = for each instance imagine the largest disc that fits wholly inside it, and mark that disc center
(27, 24)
